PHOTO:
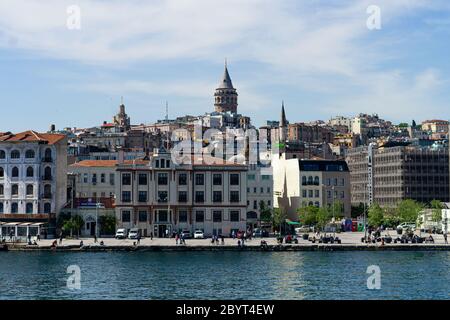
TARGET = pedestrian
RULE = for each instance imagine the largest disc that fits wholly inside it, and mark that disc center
(223, 240)
(29, 238)
(167, 233)
(183, 239)
(151, 235)
(95, 238)
(239, 243)
(176, 239)
(445, 238)
(61, 238)
(11, 233)
(139, 238)
(38, 237)
(233, 235)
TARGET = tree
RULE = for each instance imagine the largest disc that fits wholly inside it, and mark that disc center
(358, 210)
(107, 224)
(265, 212)
(375, 215)
(279, 217)
(323, 217)
(408, 210)
(68, 226)
(436, 207)
(308, 215)
(336, 210)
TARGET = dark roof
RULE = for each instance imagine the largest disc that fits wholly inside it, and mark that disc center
(323, 165)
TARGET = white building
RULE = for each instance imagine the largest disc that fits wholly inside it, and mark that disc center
(33, 177)
(259, 189)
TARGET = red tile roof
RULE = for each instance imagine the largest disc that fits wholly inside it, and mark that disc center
(106, 163)
(32, 136)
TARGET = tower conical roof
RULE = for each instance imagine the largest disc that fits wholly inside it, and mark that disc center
(226, 83)
(283, 122)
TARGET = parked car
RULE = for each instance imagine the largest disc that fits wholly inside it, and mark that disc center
(303, 229)
(186, 234)
(121, 234)
(133, 234)
(407, 225)
(199, 234)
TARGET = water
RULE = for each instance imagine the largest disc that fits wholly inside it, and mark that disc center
(225, 275)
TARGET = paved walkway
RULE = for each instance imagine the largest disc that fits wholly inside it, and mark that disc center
(347, 238)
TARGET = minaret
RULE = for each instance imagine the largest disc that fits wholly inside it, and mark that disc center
(225, 96)
(283, 125)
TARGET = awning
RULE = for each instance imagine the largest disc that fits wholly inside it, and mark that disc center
(292, 223)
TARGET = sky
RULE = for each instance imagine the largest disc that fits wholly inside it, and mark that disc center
(320, 57)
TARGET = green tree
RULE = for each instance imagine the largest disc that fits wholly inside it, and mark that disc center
(336, 210)
(323, 217)
(68, 226)
(436, 207)
(375, 215)
(279, 217)
(77, 223)
(107, 225)
(265, 212)
(308, 215)
(358, 210)
(408, 210)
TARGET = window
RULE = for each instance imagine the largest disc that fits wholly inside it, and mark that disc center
(199, 179)
(14, 207)
(265, 177)
(182, 179)
(142, 216)
(2, 190)
(126, 196)
(310, 180)
(262, 190)
(15, 172)
(304, 180)
(310, 193)
(234, 196)
(268, 203)
(162, 196)
(126, 216)
(15, 154)
(47, 191)
(94, 178)
(111, 179)
(199, 196)
(304, 193)
(217, 216)
(342, 182)
(30, 190)
(217, 179)
(255, 204)
(316, 193)
(29, 154)
(15, 189)
(1, 207)
(30, 172)
(268, 190)
(48, 174)
(328, 194)
(199, 216)
(342, 195)
(167, 163)
(182, 216)
(316, 180)
(182, 196)
(126, 179)
(48, 154)
(217, 196)
(47, 207)
(102, 178)
(85, 178)
(234, 216)
(2, 172)
(234, 179)
(142, 196)
(162, 179)
(162, 216)
(157, 163)
(251, 177)
(2, 154)
(29, 208)
(142, 179)
(335, 181)
(163, 164)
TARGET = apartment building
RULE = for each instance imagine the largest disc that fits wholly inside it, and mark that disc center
(259, 189)
(33, 176)
(159, 196)
(398, 172)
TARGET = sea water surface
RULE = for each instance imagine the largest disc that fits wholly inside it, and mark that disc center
(224, 275)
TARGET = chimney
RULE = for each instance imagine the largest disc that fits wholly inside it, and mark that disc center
(52, 128)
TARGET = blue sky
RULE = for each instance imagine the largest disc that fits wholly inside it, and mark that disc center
(317, 56)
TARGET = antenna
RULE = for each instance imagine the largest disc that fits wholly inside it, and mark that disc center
(167, 112)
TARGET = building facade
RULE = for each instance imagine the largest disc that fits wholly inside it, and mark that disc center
(160, 197)
(398, 173)
(33, 176)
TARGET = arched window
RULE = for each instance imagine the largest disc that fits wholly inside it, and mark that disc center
(29, 154)
(316, 180)
(30, 172)
(48, 154)
(15, 172)
(14, 189)
(29, 208)
(30, 190)
(317, 204)
(2, 172)
(47, 207)
(310, 203)
(48, 173)
(2, 154)
(47, 191)
(310, 180)
(14, 207)
(304, 180)
(15, 154)
(1, 207)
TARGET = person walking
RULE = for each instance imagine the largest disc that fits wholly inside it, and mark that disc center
(167, 233)
(445, 238)
(223, 240)
(95, 238)
(61, 238)
(139, 238)
(151, 235)
(176, 239)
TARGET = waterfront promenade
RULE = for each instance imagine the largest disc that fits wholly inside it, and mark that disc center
(349, 241)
